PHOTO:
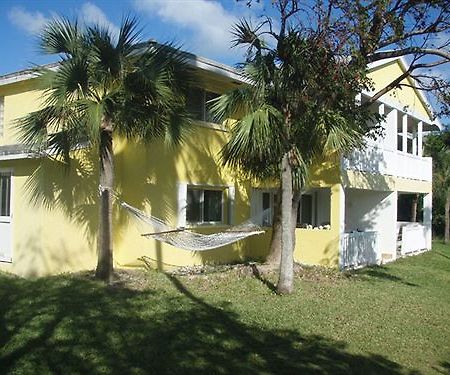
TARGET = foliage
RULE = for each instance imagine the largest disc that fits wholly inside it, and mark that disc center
(382, 320)
(138, 86)
(438, 147)
(305, 76)
(105, 86)
(371, 31)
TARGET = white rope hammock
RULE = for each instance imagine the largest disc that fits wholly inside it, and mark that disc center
(188, 240)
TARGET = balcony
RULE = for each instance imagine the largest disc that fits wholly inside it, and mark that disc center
(396, 163)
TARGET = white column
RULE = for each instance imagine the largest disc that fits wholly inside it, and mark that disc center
(427, 216)
(405, 133)
(414, 143)
(420, 138)
(231, 199)
(391, 131)
(341, 209)
(182, 203)
(380, 141)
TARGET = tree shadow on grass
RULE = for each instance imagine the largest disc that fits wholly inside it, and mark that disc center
(444, 368)
(442, 254)
(377, 273)
(70, 325)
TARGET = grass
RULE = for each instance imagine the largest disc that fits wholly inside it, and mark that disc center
(393, 319)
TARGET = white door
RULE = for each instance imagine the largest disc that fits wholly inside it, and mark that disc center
(5, 217)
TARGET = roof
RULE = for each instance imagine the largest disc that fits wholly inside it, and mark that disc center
(192, 60)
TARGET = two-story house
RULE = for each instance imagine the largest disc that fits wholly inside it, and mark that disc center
(353, 213)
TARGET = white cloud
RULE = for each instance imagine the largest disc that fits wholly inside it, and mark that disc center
(91, 14)
(30, 22)
(33, 22)
(209, 22)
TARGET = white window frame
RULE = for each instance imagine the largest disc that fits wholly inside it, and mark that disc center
(256, 205)
(7, 171)
(256, 202)
(9, 219)
(228, 195)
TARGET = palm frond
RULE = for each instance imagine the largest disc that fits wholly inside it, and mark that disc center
(62, 36)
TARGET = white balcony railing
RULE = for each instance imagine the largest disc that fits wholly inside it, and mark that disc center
(358, 249)
(414, 237)
(387, 162)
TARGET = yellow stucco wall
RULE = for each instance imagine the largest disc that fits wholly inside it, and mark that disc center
(406, 96)
(59, 235)
(19, 99)
(369, 181)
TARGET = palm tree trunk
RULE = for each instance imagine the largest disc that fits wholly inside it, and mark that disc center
(286, 278)
(273, 259)
(104, 269)
(447, 219)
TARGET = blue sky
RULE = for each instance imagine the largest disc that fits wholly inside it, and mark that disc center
(200, 26)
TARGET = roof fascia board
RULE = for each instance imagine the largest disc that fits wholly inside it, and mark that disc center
(398, 107)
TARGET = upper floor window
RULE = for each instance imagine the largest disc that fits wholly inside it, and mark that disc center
(197, 104)
(2, 111)
(204, 205)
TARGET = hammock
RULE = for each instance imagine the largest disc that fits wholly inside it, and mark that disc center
(188, 240)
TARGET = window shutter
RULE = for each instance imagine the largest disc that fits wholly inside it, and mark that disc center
(231, 199)
(182, 203)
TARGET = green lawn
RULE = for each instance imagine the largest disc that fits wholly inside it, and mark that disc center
(393, 319)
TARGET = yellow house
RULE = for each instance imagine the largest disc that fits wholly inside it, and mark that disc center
(355, 212)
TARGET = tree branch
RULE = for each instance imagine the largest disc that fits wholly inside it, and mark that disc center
(382, 55)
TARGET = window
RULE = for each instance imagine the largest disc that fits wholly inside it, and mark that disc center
(2, 111)
(5, 194)
(305, 211)
(197, 104)
(204, 205)
(314, 207)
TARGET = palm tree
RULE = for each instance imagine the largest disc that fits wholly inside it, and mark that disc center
(298, 106)
(104, 86)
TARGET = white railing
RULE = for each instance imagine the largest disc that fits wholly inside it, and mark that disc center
(414, 237)
(358, 249)
(387, 162)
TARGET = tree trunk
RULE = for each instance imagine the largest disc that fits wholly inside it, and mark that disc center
(286, 278)
(104, 269)
(274, 257)
(414, 208)
(447, 219)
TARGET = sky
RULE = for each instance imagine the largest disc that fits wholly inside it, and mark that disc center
(199, 26)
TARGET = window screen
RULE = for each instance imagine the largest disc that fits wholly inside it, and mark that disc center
(203, 205)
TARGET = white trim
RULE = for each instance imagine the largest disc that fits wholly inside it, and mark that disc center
(202, 188)
(231, 202)
(18, 156)
(182, 204)
(419, 93)
(420, 139)
(398, 107)
(11, 212)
